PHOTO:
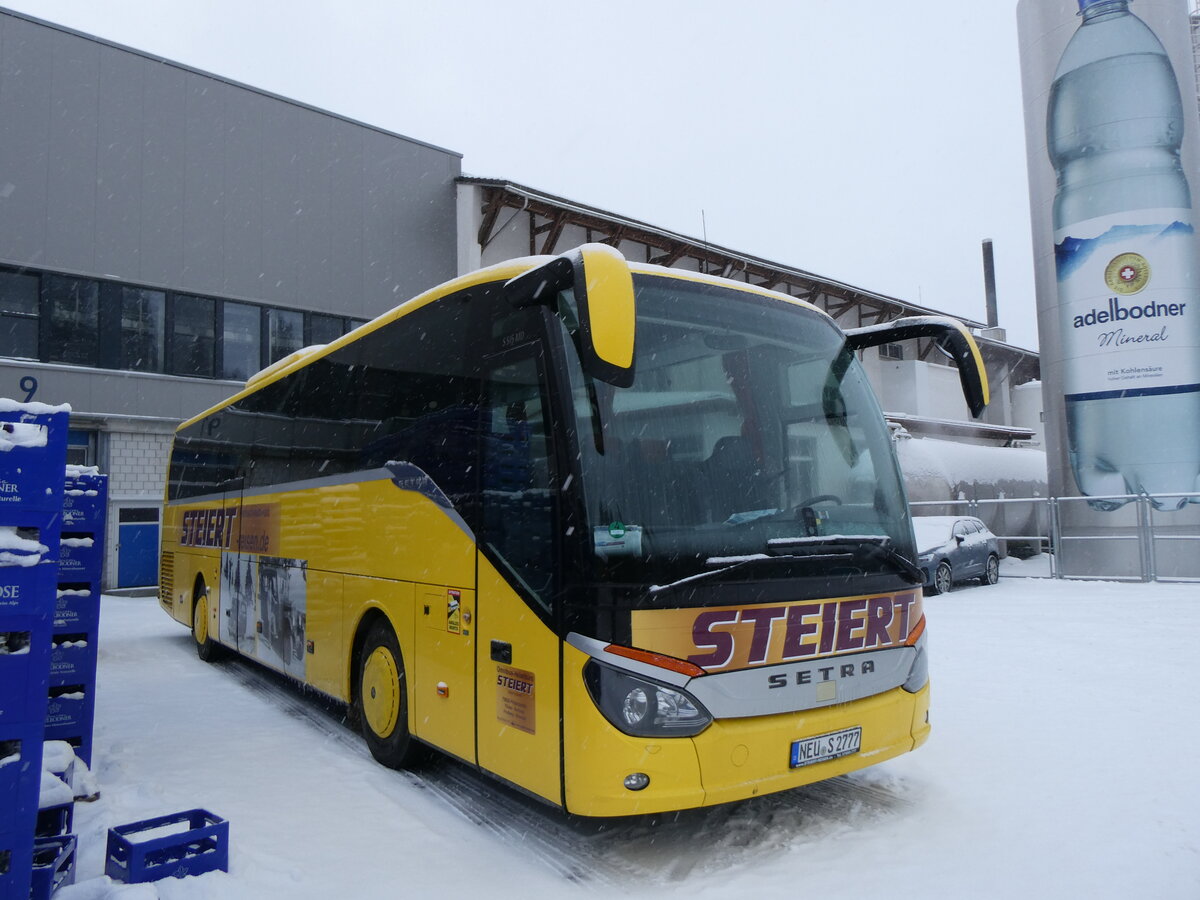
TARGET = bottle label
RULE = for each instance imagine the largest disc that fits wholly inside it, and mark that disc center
(1129, 304)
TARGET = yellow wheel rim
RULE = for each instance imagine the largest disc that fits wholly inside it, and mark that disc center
(381, 692)
(200, 625)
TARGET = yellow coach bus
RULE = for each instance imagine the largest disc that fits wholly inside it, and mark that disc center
(631, 539)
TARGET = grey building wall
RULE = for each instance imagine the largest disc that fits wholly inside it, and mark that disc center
(120, 164)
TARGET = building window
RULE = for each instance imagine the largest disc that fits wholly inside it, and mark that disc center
(108, 324)
(18, 315)
(324, 329)
(891, 351)
(285, 333)
(81, 447)
(71, 328)
(143, 329)
(193, 336)
(241, 341)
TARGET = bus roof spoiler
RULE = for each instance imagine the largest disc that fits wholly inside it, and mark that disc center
(602, 286)
(950, 336)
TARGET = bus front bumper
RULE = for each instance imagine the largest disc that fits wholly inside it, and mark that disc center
(733, 759)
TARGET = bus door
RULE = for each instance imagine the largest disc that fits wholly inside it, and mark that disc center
(517, 670)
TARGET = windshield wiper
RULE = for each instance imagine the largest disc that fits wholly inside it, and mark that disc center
(805, 549)
(878, 545)
(721, 565)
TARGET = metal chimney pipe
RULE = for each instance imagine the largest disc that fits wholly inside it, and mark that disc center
(989, 283)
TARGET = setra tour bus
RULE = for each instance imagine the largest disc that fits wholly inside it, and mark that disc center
(631, 539)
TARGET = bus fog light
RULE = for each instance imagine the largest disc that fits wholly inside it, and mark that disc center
(637, 781)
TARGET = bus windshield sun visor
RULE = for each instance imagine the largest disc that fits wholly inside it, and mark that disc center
(599, 278)
(950, 336)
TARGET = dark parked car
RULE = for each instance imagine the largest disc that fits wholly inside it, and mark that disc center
(951, 549)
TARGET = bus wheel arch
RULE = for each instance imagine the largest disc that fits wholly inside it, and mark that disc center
(379, 693)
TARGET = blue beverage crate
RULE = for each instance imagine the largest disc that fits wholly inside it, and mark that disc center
(76, 607)
(54, 821)
(20, 774)
(85, 501)
(194, 842)
(72, 658)
(34, 451)
(24, 667)
(81, 556)
(70, 711)
(80, 739)
(16, 862)
(28, 590)
(53, 865)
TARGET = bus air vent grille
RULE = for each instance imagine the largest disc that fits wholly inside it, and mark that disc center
(166, 577)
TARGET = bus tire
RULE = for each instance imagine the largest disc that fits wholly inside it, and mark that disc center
(206, 648)
(381, 699)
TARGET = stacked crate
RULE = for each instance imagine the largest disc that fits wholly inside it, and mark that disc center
(33, 442)
(72, 707)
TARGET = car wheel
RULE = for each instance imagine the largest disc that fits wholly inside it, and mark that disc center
(381, 699)
(943, 578)
(991, 573)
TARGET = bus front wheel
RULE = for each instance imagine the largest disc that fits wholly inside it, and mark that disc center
(381, 699)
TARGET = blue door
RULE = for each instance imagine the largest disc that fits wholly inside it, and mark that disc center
(137, 547)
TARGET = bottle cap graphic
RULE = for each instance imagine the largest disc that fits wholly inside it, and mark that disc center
(1127, 273)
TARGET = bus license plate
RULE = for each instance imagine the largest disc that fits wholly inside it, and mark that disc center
(825, 747)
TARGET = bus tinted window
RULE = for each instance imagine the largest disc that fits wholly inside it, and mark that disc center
(396, 394)
(517, 499)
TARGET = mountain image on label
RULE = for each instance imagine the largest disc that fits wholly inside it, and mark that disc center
(1125, 256)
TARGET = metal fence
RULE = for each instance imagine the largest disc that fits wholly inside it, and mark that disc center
(1144, 537)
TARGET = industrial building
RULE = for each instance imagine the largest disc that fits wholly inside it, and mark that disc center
(165, 233)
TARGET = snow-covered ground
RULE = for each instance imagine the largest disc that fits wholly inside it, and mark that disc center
(1062, 764)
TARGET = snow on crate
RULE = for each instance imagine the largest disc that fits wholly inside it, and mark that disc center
(19, 550)
(25, 434)
(34, 408)
(21, 434)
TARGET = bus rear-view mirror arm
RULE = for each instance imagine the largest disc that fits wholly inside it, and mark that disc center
(599, 279)
(951, 337)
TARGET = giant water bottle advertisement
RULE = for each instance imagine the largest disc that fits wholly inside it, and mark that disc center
(1111, 131)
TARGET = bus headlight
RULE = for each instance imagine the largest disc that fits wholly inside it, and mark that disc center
(643, 708)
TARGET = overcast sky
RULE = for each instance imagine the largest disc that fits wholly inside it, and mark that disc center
(877, 143)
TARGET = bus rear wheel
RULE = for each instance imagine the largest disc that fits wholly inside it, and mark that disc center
(206, 648)
(381, 699)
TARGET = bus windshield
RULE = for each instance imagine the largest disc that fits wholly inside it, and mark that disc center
(750, 438)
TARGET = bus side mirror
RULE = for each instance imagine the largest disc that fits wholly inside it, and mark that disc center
(952, 338)
(600, 280)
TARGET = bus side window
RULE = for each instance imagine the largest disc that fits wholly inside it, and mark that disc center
(518, 503)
